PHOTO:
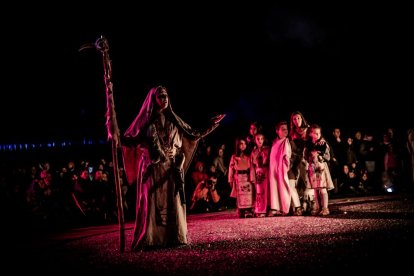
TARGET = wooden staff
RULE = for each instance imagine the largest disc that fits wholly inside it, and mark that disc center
(101, 45)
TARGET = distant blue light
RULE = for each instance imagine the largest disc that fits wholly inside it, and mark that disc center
(50, 144)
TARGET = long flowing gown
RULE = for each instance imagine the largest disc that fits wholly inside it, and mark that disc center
(280, 193)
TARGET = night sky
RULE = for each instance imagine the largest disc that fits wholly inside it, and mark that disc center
(251, 61)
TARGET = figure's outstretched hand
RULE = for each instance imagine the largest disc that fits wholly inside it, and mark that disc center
(214, 124)
(218, 118)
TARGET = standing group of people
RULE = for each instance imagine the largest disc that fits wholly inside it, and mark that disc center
(290, 177)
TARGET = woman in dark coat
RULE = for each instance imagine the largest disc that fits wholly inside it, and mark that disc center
(158, 149)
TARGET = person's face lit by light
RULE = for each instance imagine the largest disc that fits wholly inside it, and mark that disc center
(161, 98)
(315, 134)
(242, 145)
(297, 120)
(282, 131)
(259, 139)
(253, 129)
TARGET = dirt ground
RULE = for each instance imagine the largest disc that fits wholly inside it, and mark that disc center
(365, 234)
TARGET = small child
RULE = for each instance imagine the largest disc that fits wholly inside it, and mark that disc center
(317, 156)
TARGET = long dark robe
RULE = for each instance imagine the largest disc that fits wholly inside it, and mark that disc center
(160, 209)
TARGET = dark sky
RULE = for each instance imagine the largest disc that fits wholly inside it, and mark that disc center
(340, 64)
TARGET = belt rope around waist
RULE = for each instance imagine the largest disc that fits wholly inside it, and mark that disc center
(243, 171)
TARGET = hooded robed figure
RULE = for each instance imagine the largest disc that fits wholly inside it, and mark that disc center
(158, 148)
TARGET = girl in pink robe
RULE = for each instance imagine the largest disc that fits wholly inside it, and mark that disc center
(283, 193)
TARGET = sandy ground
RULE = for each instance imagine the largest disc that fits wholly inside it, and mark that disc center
(366, 234)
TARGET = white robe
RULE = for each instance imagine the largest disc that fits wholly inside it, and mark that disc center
(280, 193)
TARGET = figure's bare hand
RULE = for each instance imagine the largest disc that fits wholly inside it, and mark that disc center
(321, 142)
(218, 118)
